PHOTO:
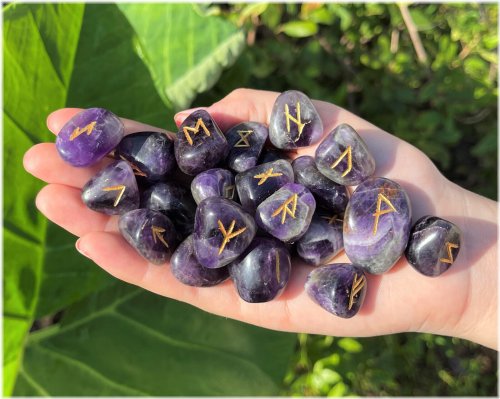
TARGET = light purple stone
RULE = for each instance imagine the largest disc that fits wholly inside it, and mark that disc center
(245, 142)
(213, 183)
(89, 136)
(287, 213)
(377, 224)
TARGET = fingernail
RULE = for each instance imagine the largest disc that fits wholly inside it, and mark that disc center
(80, 249)
(180, 116)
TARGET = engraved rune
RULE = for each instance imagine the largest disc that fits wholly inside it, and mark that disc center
(296, 120)
(120, 188)
(195, 130)
(229, 191)
(357, 285)
(277, 254)
(243, 141)
(266, 175)
(158, 234)
(381, 197)
(347, 152)
(135, 168)
(228, 234)
(87, 129)
(450, 259)
(332, 219)
(284, 208)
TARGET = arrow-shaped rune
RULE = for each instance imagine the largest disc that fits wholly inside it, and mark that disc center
(158, 234)
(87, 129)
(120, 188)
(228, 234)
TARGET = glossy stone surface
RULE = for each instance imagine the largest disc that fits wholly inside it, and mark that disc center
(174, 201)
(113, 190)
(245, 142)
(327, 193)
(89, 136)
(339, 288)
(270, 155)
(199, 144)
(294, 122)
(151, 233)
(433, 246)
(377, 224)
(322, 240)
(213, 183)
(151, 154)
(258, 183)
(287, 213)
(262, 272)
(186, 268)
(222, 231)
(344, 157)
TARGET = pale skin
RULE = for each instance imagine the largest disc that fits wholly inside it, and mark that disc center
(461, 303)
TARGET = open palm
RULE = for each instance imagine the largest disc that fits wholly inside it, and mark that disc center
(400, 300)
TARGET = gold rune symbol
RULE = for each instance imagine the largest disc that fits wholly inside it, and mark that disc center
(450, 259)
(357, 285)
(135, 168)
(284, 209)
(277, 254)
(381, 197)
(195, 130)
(121, 188)
(243, 141)
(158, 234)
(229, 191)
(332, 219)
(87, 129)
(347, 152)
(228, 234)
(297, 120)
(266, 175)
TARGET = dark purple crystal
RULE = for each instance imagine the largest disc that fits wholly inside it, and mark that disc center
(213, 183)
(245, 142)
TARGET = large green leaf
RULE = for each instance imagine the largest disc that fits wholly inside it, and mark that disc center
(126, 342)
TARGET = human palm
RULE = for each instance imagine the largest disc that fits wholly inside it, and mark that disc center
(399, 300)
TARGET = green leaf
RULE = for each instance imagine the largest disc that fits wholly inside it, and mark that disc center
(125, 341)
(299, 28)
(350, 345)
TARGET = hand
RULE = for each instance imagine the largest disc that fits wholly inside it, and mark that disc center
(461, 302)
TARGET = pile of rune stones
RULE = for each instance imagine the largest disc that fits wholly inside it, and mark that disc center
(231, 204)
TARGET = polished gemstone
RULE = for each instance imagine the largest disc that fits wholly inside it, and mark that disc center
(339, 288)
(89, 136)
(245, 142)
(294, 122)
(186, 268)
(222, 231)
(262, 272)
(199, 145)
(151, 233)
(113, 190)
(433, 246)
(344, 157)
(213, 183)
(377, 224)
(287, 213)
(270, 155)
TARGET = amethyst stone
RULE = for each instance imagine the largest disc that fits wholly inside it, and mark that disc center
(151, 154)
(213, 183)
(186, 268)
(294, 121)
(89, 136)
(199, 145)
(263, 270)
(339, 288)
(344, 157)
(245, 142)
(271, 155)
(287, 213)
(327, 193)
(433, 246)
(222, 231)
(113, 190)
(322, 241)
(377, 224)
(258, 183)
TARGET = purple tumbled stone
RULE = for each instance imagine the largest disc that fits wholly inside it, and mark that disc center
(339, 288)
(151, 233)
(222, 231)
(262, 272)
(287, 213)
(89, 136)
(213, 183)
(377, 224)
(294, 122)
(245, 142)
(113, 190)
(433, 246)
(344, 157)
(199, 144)
(270, 155)
(186, 268)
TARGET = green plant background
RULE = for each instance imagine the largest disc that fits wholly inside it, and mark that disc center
(147, 61)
